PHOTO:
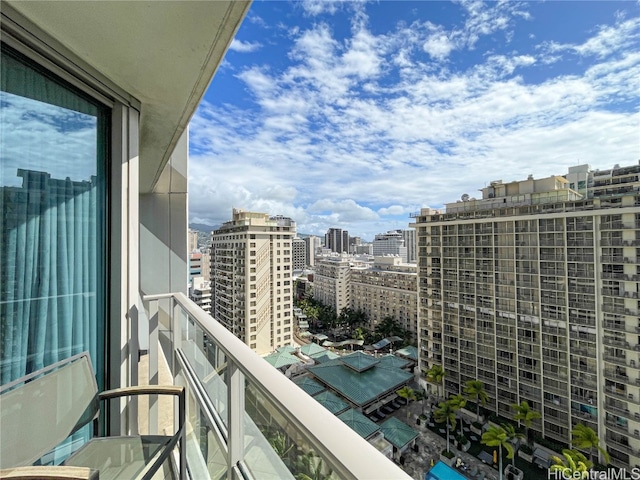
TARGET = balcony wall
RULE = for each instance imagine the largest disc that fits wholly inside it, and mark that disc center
(244, 417)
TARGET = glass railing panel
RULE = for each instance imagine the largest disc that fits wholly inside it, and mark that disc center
(210, 366)
(288, 445)
(206, 455)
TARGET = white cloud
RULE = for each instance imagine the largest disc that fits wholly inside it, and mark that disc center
(244, 47)
(357, 133)
(393, 210)
(438, 46)
(609, 39)
(318, 7)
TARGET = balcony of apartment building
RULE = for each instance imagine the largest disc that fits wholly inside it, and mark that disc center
(240, 406)
(103, 65)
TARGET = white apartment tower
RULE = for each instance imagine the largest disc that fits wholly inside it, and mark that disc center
(299, 254)
(192, 241)
(534, 291)
(331, 284)
(312, 244)
(251, 286)
(409, 237)
(390, 243)
(200, 293)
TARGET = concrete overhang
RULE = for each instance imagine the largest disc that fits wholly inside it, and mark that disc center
(162, 53)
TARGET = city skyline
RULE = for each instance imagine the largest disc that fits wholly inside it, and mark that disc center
(353, 115)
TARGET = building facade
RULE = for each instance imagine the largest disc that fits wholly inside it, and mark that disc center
(388, 288)
(337, 240)
(534, 291)
(192, 241)
(331, 282)
(299, 248)
(200, 293)
(390, 243)
(312, 244)
(251, 284)
(410, 242)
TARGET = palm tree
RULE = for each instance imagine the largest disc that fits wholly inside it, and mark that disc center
(497, 437)
(408, 394)
(512, 436)
(446, 414)
(436, 375)
(525, 414)
(475, 390)
(585, 437)
(458, 402)
(421, 395)
(573, 465)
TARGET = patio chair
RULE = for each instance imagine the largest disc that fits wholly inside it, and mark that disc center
(42, 409)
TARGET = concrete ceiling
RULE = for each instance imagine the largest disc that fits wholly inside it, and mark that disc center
(163, 53)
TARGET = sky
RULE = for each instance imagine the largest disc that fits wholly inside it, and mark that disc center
(355, 114)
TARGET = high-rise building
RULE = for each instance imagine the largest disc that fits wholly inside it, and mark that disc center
(534, 291)
(388, 288)
(331, 284)
(192, 241)
(299, 248)
(251, 284)
(195, 265)
(312, 244)
(390, 243)
(93, 251)
(409, 237)
(363, 249)
(200, 293)
(337, 240)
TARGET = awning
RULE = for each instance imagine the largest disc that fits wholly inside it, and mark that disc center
(541, 458)
(380, 403)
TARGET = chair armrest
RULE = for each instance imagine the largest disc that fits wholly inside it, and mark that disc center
(49, 473)
(142, 390)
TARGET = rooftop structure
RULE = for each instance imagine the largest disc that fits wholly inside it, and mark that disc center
(362, 379)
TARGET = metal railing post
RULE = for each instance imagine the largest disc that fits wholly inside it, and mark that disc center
(153, 365)
(235, 403)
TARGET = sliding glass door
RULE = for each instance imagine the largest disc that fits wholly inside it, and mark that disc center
(53, 207)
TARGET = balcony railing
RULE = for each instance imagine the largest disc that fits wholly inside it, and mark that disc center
(239, 406)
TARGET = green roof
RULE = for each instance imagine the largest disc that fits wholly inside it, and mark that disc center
(359, 361)
(331, 402)
(311, 349)
(393, 361)
(397, 432)
(359, 423)
(282, 357)
(360, 388)
(325, 356)
(309, 385)
(409, 352)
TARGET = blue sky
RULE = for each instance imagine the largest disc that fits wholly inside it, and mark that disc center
(355, 114)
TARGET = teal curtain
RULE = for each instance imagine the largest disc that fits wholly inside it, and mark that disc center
(53, 206)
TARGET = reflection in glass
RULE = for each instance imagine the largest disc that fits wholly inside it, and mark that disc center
(52, 240)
